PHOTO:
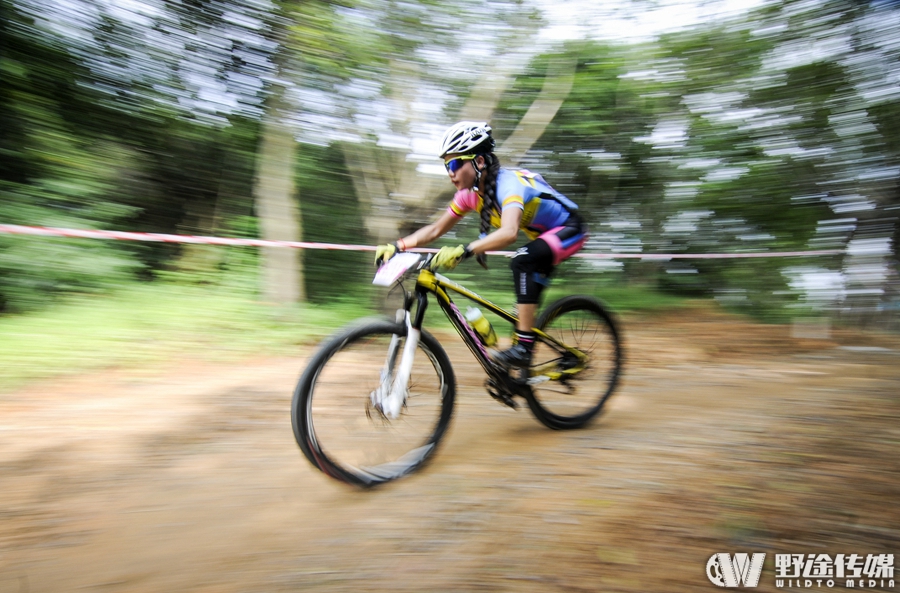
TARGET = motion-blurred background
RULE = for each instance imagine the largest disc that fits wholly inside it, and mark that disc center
(680, 127)
(145, 440)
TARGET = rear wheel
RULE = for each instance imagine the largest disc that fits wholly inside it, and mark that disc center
(339, 429)
(575, 397)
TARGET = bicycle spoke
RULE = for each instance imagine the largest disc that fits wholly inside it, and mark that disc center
(577, 387)
(339, 428)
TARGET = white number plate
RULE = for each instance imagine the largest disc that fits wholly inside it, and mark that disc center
(396, 266)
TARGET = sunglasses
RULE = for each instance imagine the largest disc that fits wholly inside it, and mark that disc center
(455, 164)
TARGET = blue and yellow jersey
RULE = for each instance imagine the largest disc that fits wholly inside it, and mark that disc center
(543, 208)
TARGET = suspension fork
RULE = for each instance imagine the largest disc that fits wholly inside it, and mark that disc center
(392, 394)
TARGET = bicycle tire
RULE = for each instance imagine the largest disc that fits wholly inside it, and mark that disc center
(337, 428)
(584, 323)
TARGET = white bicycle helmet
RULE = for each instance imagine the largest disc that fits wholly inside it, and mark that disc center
(467, 137)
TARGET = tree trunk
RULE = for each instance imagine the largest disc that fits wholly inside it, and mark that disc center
(278, 212)
(557, 86)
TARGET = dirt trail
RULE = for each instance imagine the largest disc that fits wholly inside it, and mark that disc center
(724, 437)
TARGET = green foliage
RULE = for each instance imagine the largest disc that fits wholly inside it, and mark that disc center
(51, 176)
(331, 214)
(144, 324)
(720, 139)
(71, 157)
(723, 138)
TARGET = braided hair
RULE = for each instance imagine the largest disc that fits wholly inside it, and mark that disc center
(486, 183)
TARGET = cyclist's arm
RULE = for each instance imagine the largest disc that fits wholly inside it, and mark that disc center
(505, 235)
(431, 232)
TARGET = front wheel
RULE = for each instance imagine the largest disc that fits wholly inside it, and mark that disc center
(339, 429)
(577, 387)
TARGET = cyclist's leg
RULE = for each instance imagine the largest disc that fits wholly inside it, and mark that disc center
(563, 242)
(531, 266)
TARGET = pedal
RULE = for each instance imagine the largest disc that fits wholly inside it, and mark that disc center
(499, 395)
(504, 399)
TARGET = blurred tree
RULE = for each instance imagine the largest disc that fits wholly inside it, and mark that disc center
(316, 53)
(51, 172)
(331, 214)
(596, 149)
(416, 55)
(277, 208)
(742, 136)
(770, 132)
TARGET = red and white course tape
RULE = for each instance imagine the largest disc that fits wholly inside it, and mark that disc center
(14, 229)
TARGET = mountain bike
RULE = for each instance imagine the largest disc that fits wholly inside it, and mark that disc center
(377, 397)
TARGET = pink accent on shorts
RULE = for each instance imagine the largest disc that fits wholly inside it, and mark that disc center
(561, 253)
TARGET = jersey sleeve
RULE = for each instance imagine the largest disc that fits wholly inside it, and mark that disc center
(463, 201)
(513, 201)
(509, 191)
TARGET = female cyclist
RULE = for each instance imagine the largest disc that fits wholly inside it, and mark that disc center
(508, 200)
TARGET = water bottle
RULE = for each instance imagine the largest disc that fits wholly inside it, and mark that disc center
(481, 324)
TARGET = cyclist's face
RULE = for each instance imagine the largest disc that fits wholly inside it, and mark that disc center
(464, 177)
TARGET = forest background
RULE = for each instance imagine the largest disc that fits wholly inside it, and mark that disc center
(769, 130)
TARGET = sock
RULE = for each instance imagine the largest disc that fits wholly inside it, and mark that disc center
(526, 338)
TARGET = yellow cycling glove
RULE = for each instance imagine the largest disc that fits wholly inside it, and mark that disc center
(385, 252)
(449, 257)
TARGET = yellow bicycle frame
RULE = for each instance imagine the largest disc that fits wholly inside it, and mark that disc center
(439, 286)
